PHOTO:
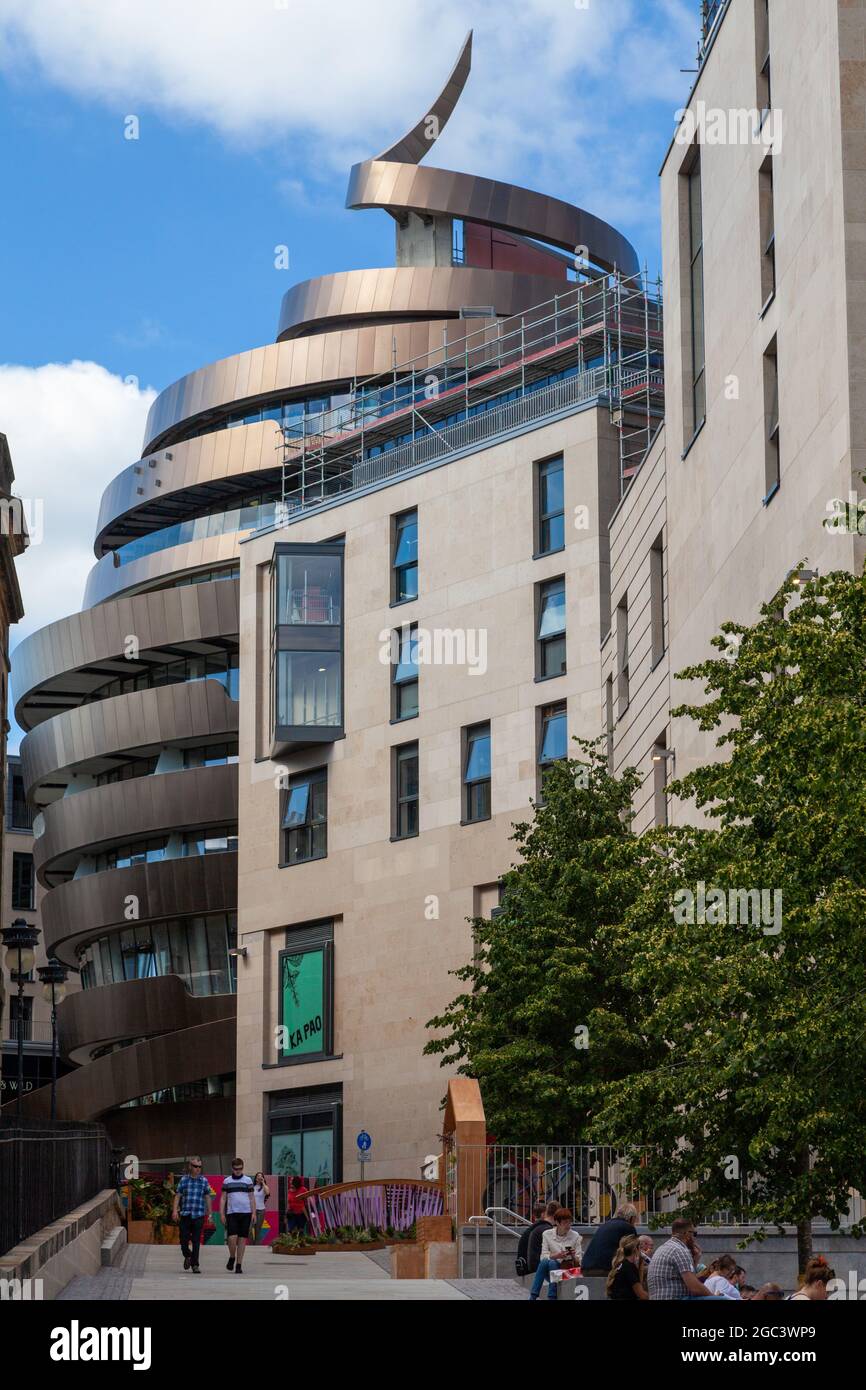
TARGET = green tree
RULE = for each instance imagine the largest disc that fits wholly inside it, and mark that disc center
(762, 1024)
(550, 963)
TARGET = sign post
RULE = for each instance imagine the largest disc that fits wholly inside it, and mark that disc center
(365, 1146)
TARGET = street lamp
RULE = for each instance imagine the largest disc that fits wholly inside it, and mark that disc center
(20, 941)
(53, 977)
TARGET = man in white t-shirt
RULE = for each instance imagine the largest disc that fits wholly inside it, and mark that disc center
(237, 1209)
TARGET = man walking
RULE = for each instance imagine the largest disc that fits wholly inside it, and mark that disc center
(238, 1210)
(193, 1200)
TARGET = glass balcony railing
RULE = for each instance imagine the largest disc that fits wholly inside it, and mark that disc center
(198, 528)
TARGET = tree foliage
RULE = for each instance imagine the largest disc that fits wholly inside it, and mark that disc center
(722, 1041)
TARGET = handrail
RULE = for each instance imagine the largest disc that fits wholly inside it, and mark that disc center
(488, 1219)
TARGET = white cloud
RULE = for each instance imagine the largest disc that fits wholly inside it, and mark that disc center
(333, 82)
(71, 427)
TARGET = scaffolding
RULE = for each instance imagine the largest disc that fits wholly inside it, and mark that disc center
(599, 341)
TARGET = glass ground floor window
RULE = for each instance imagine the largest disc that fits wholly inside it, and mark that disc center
(306, 1134)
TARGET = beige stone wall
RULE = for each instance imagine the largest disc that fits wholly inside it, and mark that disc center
(636, 525)
(392, 957)
(727, 551)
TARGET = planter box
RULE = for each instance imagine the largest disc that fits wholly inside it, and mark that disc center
(408, 1260)
(139, 1232)
(169, 1235)
(301, 1250)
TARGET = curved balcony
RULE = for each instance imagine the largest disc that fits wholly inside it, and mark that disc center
(403, 292)
(170, 1059)
(320, 361)
(76, 912)
(143, 721)
(202, 467)
(86, 649)
(93, 1018)
(126, 811)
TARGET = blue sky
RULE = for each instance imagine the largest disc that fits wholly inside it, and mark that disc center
(127, 263)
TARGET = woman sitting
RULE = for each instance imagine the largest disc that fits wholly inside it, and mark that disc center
(560, 1249)
(624, 1283)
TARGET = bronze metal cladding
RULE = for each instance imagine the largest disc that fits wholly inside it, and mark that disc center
(135, 1009)
(168, 714)
(197, 612)
(416, 142)
(142, 807)
(320, 361)
(440, 192)
(84, 908)
(171, 1059)
(420, 292)
(106, 581)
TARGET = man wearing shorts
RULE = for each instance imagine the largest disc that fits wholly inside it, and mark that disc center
(238, 1209)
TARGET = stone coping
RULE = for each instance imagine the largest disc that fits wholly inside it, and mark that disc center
(24, 1261)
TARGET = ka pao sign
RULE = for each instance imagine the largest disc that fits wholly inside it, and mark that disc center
(303, 1003)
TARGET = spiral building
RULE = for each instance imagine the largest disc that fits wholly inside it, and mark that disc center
(488, 325)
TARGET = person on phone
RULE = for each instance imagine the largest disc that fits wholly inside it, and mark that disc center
(561, 1248)
(262, 1193)
(238, 1209)
(546, 1223)
(192, 1204)
(624, 1283)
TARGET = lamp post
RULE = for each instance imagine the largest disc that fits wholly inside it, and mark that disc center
(20, 941)
(53, 977)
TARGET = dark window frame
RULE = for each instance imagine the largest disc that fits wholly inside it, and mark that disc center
(402, 753)
(544, 646)
(476, 795)
(313, 778)
(399, 522)
(543, 519)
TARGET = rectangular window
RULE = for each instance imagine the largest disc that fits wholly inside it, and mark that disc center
(306, 1134)
(476, 773)
(550, 629)
(23, 883)
(304, 819)
(404, 672)
(696, 292)
(623, 690)
(20, 1019)
(404, 562)
(762, 53)
(19, 814)
(210, 755)
(405, 791)
(307, 994)
(657, 600)
(660, 762)
(767, 218)
(772, 458)
(552, 739)
(306, 645)
(223, 840)
(608, 721)
(550, 507)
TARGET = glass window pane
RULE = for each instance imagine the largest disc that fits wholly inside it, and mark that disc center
(406, 538)
(478, 755)
(554, 738)
(199, 969)
(407, 700)
(297, 806)
(551, 619)
(309, 689)
(552, 497)
(407, 666)
(309, 589)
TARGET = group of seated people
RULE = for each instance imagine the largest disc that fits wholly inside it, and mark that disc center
(634, 1269)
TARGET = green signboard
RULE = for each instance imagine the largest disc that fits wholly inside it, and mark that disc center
(303, 1003)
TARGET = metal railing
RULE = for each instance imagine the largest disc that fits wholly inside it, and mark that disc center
(711, 16)
(592, 1181)
(46, 1171)
(513, 1229)
(598, 340)
(30, 1030)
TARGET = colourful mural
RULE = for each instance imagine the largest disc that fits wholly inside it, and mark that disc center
(213, 1231)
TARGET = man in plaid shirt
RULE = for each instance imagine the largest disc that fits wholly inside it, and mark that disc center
(193, 1196)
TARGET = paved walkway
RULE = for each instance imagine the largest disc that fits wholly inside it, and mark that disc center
(155, 1272)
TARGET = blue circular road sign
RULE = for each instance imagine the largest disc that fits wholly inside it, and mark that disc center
(364, 1141)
